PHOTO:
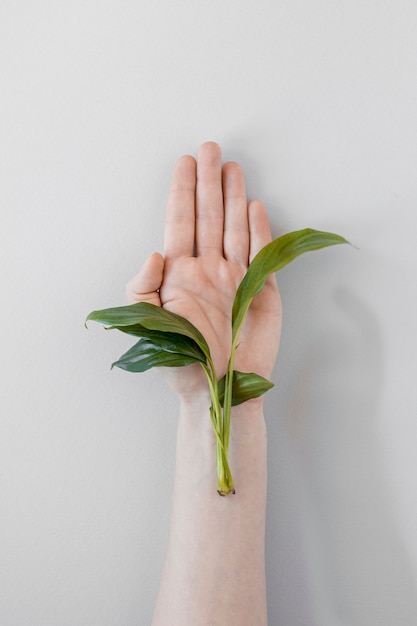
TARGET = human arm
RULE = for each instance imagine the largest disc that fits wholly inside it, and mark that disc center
(214, 571)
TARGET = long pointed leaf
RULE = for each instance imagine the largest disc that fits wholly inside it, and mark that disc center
(151, 317)
(245, 386)
(272, 258)
(144, 355)
(170, 342)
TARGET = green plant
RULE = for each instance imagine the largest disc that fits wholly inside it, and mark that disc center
(169, 340)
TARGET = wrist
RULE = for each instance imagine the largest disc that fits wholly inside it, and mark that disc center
(247, 419)
(196, 451)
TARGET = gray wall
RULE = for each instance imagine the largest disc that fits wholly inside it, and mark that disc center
(318, 102)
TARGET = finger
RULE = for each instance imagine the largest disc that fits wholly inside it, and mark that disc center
(236, 225)
(144, 287)
(180, 213)
(209, 201)
(259, 229)
(260, 232)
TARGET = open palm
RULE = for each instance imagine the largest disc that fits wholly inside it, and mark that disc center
(211, 234)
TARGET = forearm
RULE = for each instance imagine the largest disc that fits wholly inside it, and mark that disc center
(214, 572)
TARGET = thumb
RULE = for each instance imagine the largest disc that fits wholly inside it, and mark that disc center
(144, 286)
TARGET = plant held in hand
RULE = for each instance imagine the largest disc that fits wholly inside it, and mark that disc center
(169, 340)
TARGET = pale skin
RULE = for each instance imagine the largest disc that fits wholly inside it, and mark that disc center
(214, 572)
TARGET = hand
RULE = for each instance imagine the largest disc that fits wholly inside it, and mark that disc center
(211, 235)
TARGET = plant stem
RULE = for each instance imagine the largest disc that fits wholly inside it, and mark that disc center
(221, 418)
(224, 475)
(227, 404)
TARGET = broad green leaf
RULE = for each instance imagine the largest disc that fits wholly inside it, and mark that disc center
(151, 317)
(245, 387)
(170, 342)
(272, 258)
(144, 355)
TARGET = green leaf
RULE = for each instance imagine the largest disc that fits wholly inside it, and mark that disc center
(245, 387)
(144, 355)
(170, 342)
(272, 258)
(150, 317)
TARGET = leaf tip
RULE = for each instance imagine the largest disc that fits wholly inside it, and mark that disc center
(89, 317)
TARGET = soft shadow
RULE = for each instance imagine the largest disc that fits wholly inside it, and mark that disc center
(334, 553)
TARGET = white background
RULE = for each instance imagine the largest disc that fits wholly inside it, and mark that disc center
(317, 101)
